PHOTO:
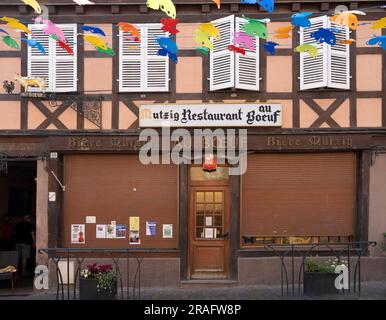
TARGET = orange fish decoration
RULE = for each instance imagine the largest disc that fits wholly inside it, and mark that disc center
(169, 25)
(347, 18)
(345, 41)
(218, 3)
(129, 28)
(283, 32)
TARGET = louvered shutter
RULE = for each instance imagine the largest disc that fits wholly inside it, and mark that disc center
(339, 59)
(64, 68)
(247, 66)
(57, 66)
(141, 69)
(222, 61)
(38, 63)
(313, 71)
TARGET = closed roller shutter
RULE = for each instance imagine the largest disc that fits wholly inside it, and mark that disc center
(299, 195)
(103, 186)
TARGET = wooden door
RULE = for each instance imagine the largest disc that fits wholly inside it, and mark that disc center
(209, 232)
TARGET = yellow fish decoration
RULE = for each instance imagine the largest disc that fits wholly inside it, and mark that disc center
(205, 34)
(203, 39)
(348, 18)
(15, 24)
(210, 29)
(309, 48)
(166, 6)
(379, 24)
(95, 41)
(34, 4)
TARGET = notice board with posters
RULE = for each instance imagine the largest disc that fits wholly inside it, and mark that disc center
(114, 188)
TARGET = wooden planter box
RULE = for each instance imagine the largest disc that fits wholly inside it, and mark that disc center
(88, 290)
(319, 283)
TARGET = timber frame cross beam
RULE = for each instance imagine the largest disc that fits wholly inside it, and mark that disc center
(51, 117)
(325, 115)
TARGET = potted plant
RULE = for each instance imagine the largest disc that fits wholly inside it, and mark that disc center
(319, 277)
(98, 283)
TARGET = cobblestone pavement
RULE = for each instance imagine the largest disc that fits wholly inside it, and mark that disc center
(370, 291)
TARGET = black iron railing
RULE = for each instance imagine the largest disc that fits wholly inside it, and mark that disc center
(116, 255)
(341, 251)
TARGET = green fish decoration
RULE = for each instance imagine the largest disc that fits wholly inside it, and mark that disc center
(309, 48)
(203, 50)
(256, 27)
(10, 42)
(108, 51)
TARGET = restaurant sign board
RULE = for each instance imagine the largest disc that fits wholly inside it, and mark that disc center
(211, 115)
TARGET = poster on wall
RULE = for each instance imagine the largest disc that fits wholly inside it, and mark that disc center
(167, 231)
(134, 223)
(151, 227)
(101, 231)
(110, 231)
(78, 233)
(120, 231)
(134, 237)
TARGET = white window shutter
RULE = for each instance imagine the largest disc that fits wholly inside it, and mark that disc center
(313, 71)
(156, 67)
(140, 68)
(339, 59)
(247, 66)
(222, 61)
(38, 63)
(64, 71)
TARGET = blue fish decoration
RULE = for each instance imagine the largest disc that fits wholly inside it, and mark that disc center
(249, 1)
(269, 46)
(324, 35)
(300, 19)
(3, 31)
(379, 40)
(35, 44)
(93, 29)
(168, 47)
(268, 5)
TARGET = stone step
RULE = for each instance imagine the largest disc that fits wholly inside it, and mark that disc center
(206, 283)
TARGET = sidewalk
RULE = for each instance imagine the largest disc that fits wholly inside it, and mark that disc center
(374, 290)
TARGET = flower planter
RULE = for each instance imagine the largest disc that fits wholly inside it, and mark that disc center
(88, 290)
(319, 283)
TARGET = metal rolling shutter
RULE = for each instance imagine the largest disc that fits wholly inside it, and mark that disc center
(299, 195)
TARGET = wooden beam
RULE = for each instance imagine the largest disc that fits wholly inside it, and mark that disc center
(115, 9)
(324, 115)
(234, 225)
(363, 187)
(183, 201)
(384, 84)
(115, 77)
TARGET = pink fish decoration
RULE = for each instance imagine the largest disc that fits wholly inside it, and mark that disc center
(244, 39)
(51, 28)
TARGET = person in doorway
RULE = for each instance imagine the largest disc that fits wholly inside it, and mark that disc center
(6, 233)
(24, 240)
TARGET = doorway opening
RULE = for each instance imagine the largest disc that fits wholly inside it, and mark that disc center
(17, 222)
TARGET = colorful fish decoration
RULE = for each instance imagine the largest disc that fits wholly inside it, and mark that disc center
(379, 40)
(203, 39)
(168, 48)
(166, 6)
(236, 49)
(312, 50)
(210, 29)
(379, 24)
(108, 51)
(35, 44)
(66, 46)
(51, 28)
(16, 24)
(248, 1)
(10, 42)
(129, 28)
(95, 41)
(347, 18)
(244, 39)
(268, 5)
(94, 30)
(169, 25)
(301, 19)
(345, 41)
(34, 5)
(3, 31)
(203, 50)
(218, 3)
(283, 32)
(269, 47)
(324, 35)
(256, 27)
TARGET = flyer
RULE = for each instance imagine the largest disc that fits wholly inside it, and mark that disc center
(120, 231)
(110, 231)
(209, 233)
(134, 237)
(78, 233)
(134, 223)
(167, 231)
(151, 227)
(101, 231)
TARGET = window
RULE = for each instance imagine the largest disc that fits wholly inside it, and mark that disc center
(57, 67)
(331, 68)
(229, 69)
(140, 68)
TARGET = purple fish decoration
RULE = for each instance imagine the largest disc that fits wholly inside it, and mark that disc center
(244, 39)
(3, 31)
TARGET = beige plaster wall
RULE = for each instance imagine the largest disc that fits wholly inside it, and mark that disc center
(369, 72)
(98, 74)
(377, 202)
(126, 117)
(185, 38)
(279, 74)
(189, 75)
(9, 115)
(364, 33)
(8, 67)
(41, 210)
(284, 43)
(369, 112)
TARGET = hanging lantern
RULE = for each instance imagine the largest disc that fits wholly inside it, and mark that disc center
(210, 163)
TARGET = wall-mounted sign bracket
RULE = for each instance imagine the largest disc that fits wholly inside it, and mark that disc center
(57, 179)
